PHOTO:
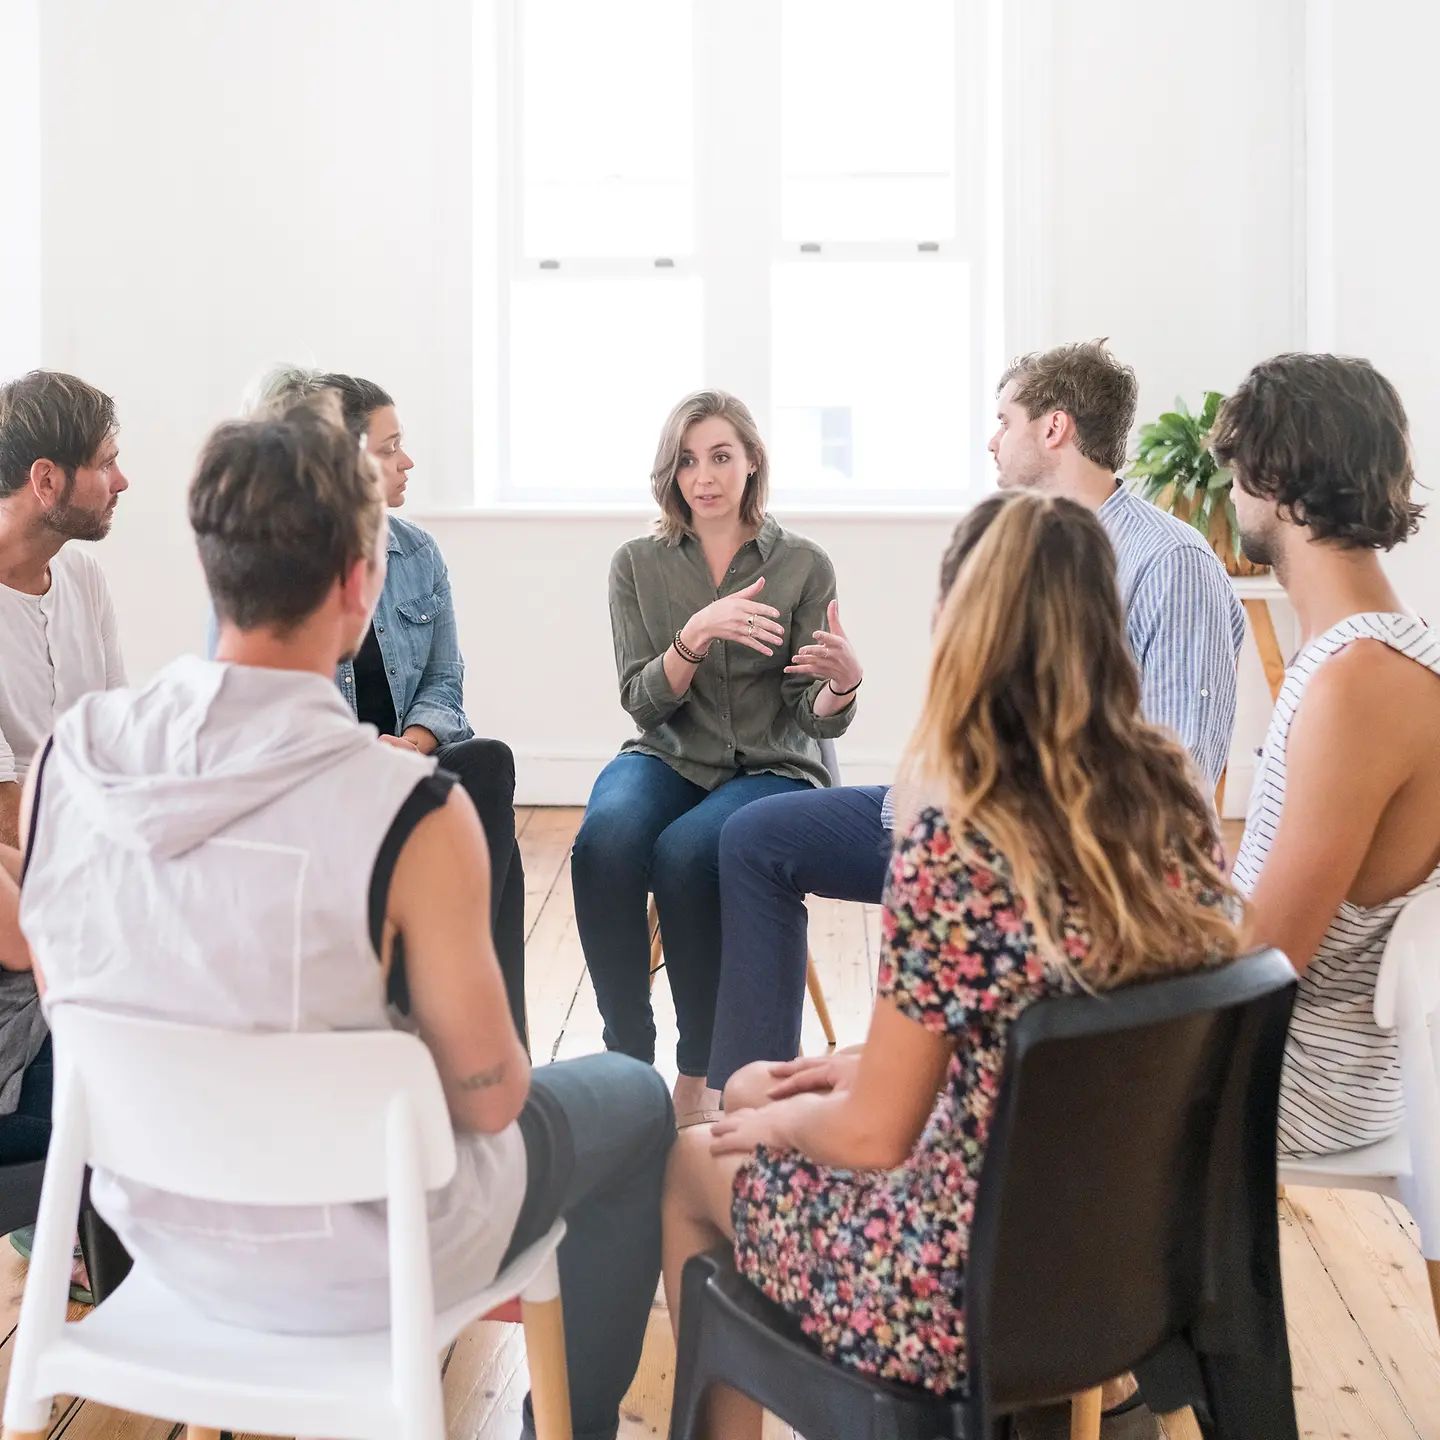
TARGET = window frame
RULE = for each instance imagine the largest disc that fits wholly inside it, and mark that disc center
(737, 248)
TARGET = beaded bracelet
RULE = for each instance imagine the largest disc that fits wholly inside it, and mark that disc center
(693, 657)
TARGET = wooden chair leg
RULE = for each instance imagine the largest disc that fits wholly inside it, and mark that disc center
(657, 948)
(817, 998)
(1181, 1425)
(1432, 1268)
(549, 1380)
(1085, 1415)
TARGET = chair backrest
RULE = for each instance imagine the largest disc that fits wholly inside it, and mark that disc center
(830, 760)
(293, 1119)
(1412, 952)
(1132, 1129)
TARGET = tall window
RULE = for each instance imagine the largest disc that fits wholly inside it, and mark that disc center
(782, 198)
(20, 189)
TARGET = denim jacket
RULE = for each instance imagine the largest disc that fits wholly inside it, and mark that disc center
(419, 642)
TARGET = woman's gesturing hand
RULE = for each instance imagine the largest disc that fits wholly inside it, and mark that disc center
(738, 617)
(831, 657)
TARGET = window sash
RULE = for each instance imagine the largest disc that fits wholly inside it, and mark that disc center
(737, 229)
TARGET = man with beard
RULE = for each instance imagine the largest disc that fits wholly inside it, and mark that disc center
(59, 481)
(1344, 821)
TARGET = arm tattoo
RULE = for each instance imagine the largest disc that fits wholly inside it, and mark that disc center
(484, 1079)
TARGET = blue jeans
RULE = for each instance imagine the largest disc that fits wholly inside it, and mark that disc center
(773, 854)
(649, 830)
(25, 1132)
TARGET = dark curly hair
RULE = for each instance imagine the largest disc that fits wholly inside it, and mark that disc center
(1325, 437)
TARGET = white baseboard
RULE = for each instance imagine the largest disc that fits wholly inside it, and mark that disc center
(565, 777)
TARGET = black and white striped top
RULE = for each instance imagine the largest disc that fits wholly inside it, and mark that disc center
(1341, 1083)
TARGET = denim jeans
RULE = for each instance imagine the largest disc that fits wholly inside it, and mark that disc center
(25, 1132)
(648, 829)
(598, 1131)
(773, 854)
(486, 769)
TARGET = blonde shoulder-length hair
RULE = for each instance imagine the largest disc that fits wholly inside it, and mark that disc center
(674, 521)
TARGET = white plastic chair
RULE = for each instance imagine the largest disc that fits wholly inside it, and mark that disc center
(1406, 1167)
(292, 1119)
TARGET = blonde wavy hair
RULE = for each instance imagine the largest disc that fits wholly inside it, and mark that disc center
(675, 515)
(1032, 734)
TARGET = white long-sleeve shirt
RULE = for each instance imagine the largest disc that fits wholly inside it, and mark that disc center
(54, 648)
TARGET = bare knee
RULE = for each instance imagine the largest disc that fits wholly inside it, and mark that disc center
(749, 1087)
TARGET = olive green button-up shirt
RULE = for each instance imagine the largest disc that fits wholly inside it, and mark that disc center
(742, 714)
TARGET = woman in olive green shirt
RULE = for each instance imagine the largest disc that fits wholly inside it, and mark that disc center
(734, 667)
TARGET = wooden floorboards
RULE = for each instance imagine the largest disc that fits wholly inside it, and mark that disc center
(1363, 1338)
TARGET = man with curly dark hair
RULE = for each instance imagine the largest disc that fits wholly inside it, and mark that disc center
(1344, 821)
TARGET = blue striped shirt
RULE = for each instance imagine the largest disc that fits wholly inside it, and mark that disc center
(1184, 626)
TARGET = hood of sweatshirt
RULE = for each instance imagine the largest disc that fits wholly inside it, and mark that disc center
(164, 769)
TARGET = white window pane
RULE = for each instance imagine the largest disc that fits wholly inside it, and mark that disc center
(871, 378)
(20, 192)
(607, 152)
(595, 367)
(868, 120)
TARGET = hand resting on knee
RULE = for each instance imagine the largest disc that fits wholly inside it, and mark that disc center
(762, 1081)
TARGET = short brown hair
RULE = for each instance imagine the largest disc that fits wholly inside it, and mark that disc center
(281, 509)
(1324, 437)
(675, 515)
(1090, 385)
(48, 415)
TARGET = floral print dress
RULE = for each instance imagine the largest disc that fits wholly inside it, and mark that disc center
(873, 1262)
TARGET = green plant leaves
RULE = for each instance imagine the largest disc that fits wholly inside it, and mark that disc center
(1173, 467)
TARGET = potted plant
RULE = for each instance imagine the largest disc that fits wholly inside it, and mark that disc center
(1174, 469)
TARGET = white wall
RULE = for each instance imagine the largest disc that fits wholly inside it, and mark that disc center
(1383, 214)
(228, 185)
(20, 343)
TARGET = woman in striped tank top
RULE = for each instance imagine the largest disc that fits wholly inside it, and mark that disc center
(1343, 826)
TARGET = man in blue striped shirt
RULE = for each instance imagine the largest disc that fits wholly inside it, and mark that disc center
(1064, 420)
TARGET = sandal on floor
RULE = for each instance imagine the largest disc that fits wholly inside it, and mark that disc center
(22, 1241)
(698, 1117)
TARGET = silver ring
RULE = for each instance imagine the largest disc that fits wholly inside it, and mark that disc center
(750, 624)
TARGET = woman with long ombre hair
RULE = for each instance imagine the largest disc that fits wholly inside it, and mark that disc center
(1054, 842)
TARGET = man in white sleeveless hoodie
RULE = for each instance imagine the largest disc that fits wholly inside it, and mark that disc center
(1344, 819)
(229, 847)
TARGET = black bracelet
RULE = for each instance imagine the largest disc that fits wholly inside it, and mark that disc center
(693, 657)
(850, 691)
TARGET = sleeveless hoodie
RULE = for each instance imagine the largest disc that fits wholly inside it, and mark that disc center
(203, 851)
(1340, 1087)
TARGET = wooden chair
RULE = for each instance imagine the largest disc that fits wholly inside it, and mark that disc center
(812, 976)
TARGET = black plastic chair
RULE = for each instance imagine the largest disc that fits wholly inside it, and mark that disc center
(1125, 1221)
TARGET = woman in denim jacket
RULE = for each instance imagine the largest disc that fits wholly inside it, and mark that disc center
(407, 678)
